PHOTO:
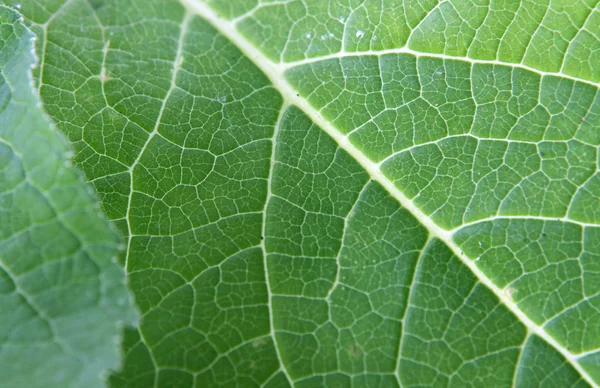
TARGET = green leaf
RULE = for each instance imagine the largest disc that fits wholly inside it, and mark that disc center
(63, 298)
(325, 193)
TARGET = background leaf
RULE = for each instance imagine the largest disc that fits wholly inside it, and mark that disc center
(63, 298)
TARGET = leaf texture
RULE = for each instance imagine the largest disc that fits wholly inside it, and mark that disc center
(324, 193)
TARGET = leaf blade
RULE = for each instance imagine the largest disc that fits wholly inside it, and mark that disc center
(317, 227)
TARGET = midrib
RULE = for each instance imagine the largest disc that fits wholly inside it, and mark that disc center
(275, 74)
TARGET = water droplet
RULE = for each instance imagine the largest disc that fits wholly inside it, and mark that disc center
(360, 33)
(509, 292)
(258, 342)
(341, 19)
(308, 35)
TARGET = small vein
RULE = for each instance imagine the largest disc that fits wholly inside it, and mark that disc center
(264, 238)
(176, 67)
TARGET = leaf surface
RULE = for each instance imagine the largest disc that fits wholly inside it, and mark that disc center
(317, 193)
(63, 298)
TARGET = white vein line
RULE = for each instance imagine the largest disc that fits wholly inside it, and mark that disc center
(582, 28)
(264, 239)
(276, 76)
(524, 218)
(176, 66)
(405, 50)
(150, 351)
(406, 311)
(338, 257)
(587, 353)
(437, 7)
(42, 58)
(533, 35)
(518, 363)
